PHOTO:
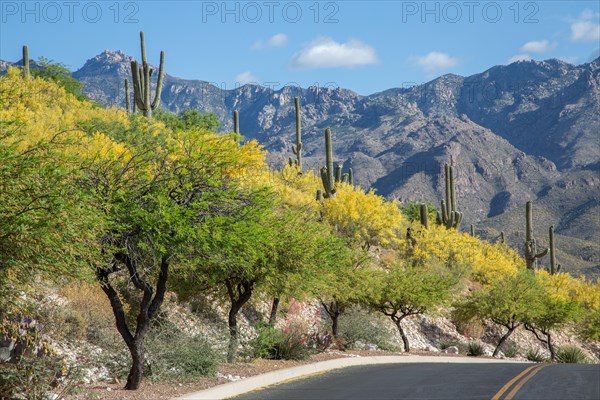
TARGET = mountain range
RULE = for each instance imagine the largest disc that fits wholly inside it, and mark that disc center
(524, 131)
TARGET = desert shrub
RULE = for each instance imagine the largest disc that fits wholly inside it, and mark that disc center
(474, 349)
(29, 367)
(462, 348)
(172, 354)
(276, 344)
(358, 326)
(535, 355)
(36, 378)
(510, 350)
(570, 355)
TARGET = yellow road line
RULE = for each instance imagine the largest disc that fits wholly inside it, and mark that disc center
(511, 382)
(511, 394)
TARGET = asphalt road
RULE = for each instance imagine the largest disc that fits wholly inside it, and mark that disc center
(443, 381)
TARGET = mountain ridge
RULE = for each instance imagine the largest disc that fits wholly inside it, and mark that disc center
(514, 133)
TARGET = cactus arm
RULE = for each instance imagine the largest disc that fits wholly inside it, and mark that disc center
(159, 82)
(554, 268)
(452, 189)
(338, 173)
(350, 177)
(542, 253)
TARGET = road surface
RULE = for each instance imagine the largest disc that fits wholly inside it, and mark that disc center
(443, 381)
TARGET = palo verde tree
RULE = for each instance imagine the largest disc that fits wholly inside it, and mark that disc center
(156, 190)
(402, 289)
(255, 247)
(507, 302)
(552, 313)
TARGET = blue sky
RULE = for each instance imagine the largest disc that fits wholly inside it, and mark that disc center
(366, 46)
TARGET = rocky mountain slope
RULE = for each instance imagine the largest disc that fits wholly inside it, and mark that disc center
(525, 131)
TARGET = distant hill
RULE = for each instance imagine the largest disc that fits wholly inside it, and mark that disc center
(525, 131)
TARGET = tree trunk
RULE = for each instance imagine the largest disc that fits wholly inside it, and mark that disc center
(334, 324)
(333, 310)
(550, 346)
(502, 340)
(149, 306)
(403, 336)
(138, 357)
(238, 296)
(274, 307)
(233, 335)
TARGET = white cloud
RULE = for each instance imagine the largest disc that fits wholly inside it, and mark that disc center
(278, 40)
(435, 61)
(327, 53)
(246, 77)
(519, 57)
(537, 46)
(586, 28)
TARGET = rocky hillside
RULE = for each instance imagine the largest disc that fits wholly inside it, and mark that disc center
(523, 131)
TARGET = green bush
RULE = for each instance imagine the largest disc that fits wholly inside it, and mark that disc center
(535, 355)
(474, 349)
(570, 355)
(36, 378)
(275, 344)
(174, 355)
(511, 350)
(358, 325)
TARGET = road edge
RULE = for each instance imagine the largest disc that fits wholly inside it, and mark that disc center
(236, 388)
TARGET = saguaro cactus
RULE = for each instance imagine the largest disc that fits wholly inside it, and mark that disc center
(329, 175)
(448, 216)
(127, 95)
(236, 122)
(423, 215)
(327, 171)
(554, 268)
(25, 61)
(531, 254)
(297, 149)
(502, 241)
(141, 82)
(472, 230)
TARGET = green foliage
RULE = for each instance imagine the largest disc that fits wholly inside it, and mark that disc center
(360, 325)
(276, 344)
(187, 120)
(570, 355)
(507, 302)
(590, 326)
(411, 210)
(47, 228)
(475, 349)
(535, 355)
(60, 74)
